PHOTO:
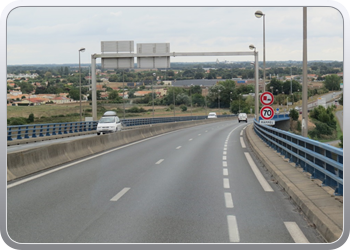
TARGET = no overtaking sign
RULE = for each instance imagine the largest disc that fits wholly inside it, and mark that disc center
(266, 98)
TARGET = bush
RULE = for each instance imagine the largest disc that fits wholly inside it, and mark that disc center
(17, 121)
(171, 106)
(294, 114)
(183, 107)
(341, 141)
(31, 118)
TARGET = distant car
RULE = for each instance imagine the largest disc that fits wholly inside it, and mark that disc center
(109, 123)
(212, 115)
(242, 117)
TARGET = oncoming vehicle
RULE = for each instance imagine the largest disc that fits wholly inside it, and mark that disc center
(109, 123)
(212, 115)
(242, 117)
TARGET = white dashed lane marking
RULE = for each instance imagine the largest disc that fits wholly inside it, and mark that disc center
(232, 228)
(242, 142)
(228, 200)
(178, 147)
(120, 194)
(226, 183)
(160, 161)
(225, 171)
(296, 232)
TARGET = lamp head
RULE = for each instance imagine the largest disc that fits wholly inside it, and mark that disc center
(259, 14)
(82, 50)
(252, 47)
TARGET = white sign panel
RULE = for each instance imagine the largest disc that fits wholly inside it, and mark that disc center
(117, 46)
(267, 122)
(155, 49)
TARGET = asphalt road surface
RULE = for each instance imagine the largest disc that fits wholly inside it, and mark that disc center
(195, 185)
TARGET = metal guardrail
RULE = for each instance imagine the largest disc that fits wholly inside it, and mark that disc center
(41, 130)
(322, 161)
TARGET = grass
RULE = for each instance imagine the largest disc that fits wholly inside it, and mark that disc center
(70, 112)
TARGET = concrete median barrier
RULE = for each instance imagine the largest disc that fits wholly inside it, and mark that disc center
(26, 162)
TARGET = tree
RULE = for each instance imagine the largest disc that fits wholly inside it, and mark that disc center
(114, 95)
(74, 94)
(332, 82)
(294, 114)
(183, 99)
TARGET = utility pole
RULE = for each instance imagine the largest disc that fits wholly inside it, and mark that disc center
(305, 114)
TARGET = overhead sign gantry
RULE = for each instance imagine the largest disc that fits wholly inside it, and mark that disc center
(120, 55)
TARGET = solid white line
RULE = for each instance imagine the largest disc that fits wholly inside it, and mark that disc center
(225, 171)
(224, 158)
(224, 163)
(160, 161)
(178, 147)
(228, 200)
(232, 228)
(120, 194)
(242, 142)
(265, 185)
(226, 183)
(295, 232)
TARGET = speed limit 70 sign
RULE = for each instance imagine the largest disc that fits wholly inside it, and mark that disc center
(267, 112)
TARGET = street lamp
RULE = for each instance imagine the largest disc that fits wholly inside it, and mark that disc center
(81, 50)
(239, 103)
(259, 14)
(154, 74)
(219, 101)
(252, 47)
(191, 97)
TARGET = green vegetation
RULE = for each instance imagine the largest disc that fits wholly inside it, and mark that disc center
(325, 122)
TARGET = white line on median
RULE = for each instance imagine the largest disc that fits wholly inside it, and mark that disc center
(120, 194)
(265, 185)
(242, 142)
(232, 228)
(296, 232)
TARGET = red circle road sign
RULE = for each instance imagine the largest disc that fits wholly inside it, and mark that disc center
(266, 98)
(267, 112)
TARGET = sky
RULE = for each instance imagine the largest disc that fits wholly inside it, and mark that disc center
(53, 35)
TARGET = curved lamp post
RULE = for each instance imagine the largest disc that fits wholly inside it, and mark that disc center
(252, 47)
(259, 14)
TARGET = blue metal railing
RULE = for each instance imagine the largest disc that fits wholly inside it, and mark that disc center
(40, 130)
(321, 160)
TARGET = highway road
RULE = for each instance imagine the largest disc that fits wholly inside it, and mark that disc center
(195, 185)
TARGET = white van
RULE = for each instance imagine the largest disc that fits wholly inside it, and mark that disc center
(242, 117)
(109, 123)
(212, 115)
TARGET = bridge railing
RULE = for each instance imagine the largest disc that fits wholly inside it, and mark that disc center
(19, 132)
(321, 160)
(47, 129)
